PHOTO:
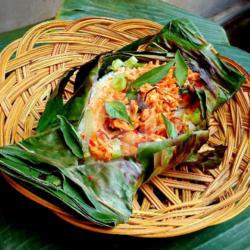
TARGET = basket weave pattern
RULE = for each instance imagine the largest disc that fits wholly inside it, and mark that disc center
(177, 202)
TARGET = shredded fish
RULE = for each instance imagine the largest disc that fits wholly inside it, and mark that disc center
(147, 124)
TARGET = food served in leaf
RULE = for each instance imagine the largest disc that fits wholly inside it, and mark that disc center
(134, 113)
(115, 124)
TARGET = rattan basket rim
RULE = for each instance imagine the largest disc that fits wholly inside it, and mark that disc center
(127, 229)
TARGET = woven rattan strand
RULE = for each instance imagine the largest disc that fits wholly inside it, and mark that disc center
(175, 203)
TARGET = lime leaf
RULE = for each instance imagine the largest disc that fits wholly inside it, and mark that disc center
(117, 110)
(152, 76)
(171, 131)
(181, 69)
(202, 99)
(70, 136)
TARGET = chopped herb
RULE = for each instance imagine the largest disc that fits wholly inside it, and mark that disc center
(131, 62)
(195, 117)
(116, 64)
(171, 131)
(119, 82)
(116, 148)
(131, 94)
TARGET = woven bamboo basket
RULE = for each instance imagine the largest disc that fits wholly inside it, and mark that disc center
(189, 199)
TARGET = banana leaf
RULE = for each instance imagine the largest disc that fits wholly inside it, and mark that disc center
(101, 192)
(222, 80)
(54, 161)
(9, 36)
(26, 225)
(158, 11)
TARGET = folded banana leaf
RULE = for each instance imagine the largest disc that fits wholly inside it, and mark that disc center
(58, 160)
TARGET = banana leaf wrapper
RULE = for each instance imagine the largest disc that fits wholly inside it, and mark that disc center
(52, 162)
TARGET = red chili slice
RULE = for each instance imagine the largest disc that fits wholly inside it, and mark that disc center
(91, 142)
(186, 98)
(198, 84)
(90, 177)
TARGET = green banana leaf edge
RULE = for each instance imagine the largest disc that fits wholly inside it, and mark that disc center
(102, 192)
